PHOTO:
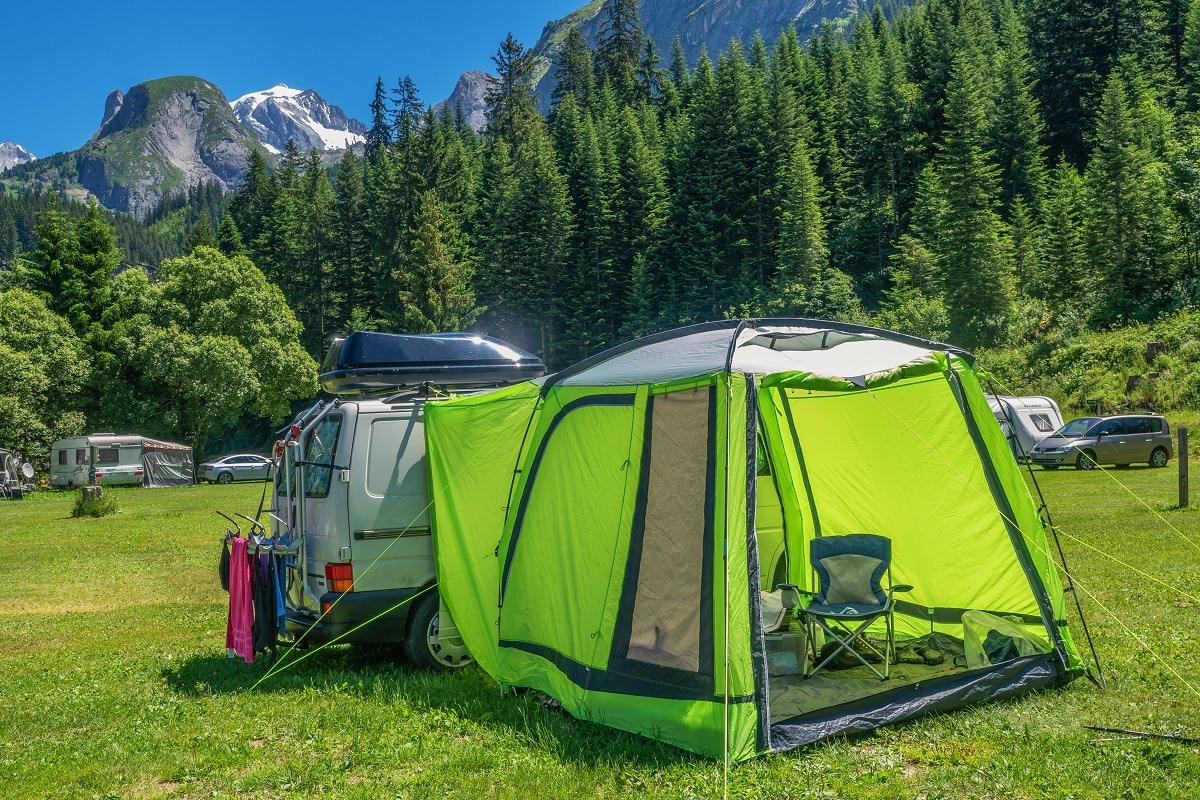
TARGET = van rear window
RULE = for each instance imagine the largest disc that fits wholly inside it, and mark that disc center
(319, 450)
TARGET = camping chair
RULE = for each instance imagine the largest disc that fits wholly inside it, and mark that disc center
(850, 596)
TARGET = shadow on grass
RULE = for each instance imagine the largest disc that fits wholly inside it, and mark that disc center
(378, 673)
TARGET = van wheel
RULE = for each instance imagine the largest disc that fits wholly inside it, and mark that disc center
(1159, 457)
(1085, 460)
(421, 642)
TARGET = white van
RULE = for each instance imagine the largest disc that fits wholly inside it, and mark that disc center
(351, 490)
(1025, 420)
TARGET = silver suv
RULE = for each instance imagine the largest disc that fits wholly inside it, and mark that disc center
(1120, 440)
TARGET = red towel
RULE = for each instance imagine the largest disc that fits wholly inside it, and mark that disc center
(239, 629)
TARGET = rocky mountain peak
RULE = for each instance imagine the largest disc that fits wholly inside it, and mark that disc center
(281, 113)
(12, 154)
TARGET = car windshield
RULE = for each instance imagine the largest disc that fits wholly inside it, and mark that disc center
(1076, 427)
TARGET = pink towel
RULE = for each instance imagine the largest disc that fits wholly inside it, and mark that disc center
(239, 634)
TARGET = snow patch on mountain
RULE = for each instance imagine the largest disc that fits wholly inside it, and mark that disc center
(301, 115)
(12, 154)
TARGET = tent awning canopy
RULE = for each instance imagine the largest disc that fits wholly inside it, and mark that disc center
(833, 350)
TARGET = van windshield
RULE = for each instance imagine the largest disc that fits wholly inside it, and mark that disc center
(1076, 427)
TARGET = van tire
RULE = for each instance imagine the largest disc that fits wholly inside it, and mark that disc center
(1159, 457)
(1085, 460)
(420, 640)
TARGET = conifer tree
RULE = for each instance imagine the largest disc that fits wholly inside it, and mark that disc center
(380, 134)
(1128, 219)
(229, 238)
(573, 71)
(435, 294)
(1017, 126)
(353, 270)
(201, 235)
(619, 45)
(1061, 279)
(1190, 57)
(970, 242)
(803, 255)
(510, 106)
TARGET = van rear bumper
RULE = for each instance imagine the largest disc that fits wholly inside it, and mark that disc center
(355, 618)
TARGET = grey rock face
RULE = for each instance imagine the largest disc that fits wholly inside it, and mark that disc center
(112, 105)
(162, 137)
(470, 93)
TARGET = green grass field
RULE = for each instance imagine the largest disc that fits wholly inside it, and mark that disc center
(114, 683)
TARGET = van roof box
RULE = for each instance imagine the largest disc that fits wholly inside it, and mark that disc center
(366, 361)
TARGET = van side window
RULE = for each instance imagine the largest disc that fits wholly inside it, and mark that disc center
(1113, 426)
(107, 455)
(1144, 425)
(1154, 425)
(319, 449)
(1042, 423)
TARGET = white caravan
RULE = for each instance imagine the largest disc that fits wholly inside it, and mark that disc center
(351, 495)
(127, 459)
(1025, 420)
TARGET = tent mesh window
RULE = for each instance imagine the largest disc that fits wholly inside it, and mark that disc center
(666, 625)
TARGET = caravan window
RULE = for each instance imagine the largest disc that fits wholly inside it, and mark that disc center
(62, 457)
(1042, 423)
(81, 455)
(107, 455)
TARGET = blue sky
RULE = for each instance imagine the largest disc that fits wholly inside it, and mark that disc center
(62, 59)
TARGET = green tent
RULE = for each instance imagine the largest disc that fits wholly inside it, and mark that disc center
(607, 534)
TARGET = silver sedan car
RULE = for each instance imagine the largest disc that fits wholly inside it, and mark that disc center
(238, 468)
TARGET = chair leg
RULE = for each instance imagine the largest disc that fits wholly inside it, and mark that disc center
(845, 642)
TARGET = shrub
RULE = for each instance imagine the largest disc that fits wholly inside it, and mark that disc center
(98, 505)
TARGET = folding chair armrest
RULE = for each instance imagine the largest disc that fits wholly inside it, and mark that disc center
(898, 587)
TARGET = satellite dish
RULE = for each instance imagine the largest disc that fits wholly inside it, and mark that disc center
(27, 470)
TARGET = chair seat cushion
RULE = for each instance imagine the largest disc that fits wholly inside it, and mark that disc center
(845, 610)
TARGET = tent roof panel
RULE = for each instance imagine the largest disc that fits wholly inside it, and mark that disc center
(826, 349)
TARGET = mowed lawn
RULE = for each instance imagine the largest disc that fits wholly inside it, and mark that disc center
(114, 683)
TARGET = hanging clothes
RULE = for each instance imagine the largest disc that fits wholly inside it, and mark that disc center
(279, 570)
(239, 635)
(264, 603)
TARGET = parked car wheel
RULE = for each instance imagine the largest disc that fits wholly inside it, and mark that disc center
(1085, 460)
(1159, 457)
(224, 478)
(421, 643)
